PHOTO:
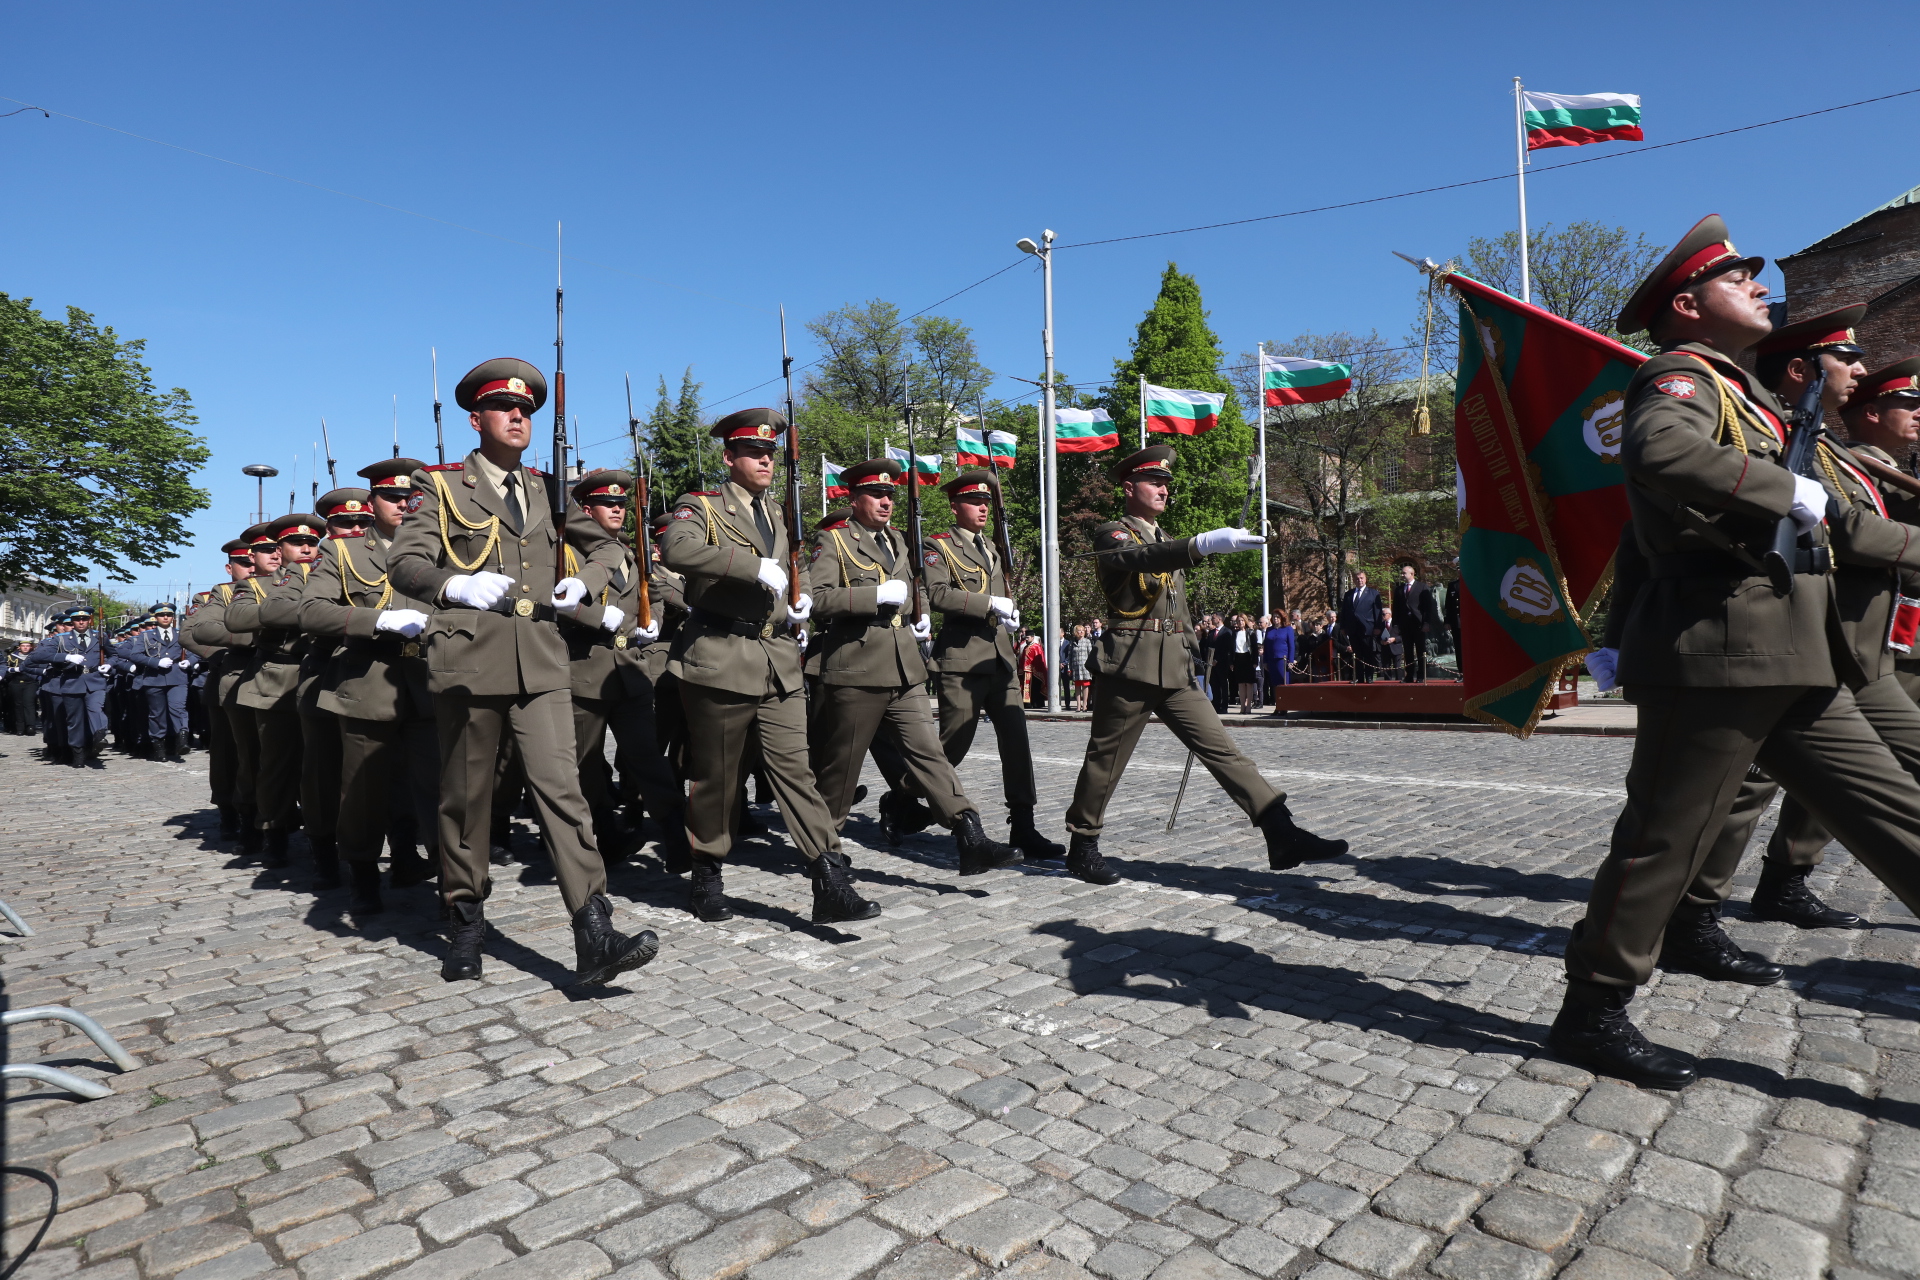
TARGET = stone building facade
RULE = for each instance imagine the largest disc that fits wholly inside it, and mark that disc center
(25, 609)
(1874, 259)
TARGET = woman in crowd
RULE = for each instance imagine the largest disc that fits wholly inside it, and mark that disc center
(1246, 660)
(1281, 646)
(1081, 650)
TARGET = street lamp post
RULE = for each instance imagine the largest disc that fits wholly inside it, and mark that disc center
(261, 473)
(1049, 481)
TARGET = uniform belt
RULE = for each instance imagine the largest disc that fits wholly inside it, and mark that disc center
(734, 626)
(1718, 564)
(387, 644)
(1172, 626)
(889, 618)
(524, 608)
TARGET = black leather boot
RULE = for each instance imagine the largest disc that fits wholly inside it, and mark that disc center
(979, 855)
(175, 751)
(464, 939)
(364, 900)
(500, 850)
(707, 896)
(676, 855)
(274, 855)
(408, 867)
(1695, 943)
(901, 816)
(1783, 894)
(834, 898)
(1288, 846)
(326, 864)
(249, 833)
(1084, 860)
(229, 823)
(1026, 837)
(601, 951)
(1593, 1031)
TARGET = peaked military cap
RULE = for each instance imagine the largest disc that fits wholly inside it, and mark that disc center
(503, 378)
(977, 483)
(345, 502)
(1898, 379)
(875, 472)
(164, 607)
(1702, 253)
(1829, 331)
(391, 473)
(837, 516)
(750, 427)
(296, 523)
(605, 486)
(660, 521)
(260, 537)
(236, 549)
(1155, 462)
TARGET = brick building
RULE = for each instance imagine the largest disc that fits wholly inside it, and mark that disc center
(1874, 259)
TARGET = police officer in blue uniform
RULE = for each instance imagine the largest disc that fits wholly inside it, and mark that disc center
(78, 662)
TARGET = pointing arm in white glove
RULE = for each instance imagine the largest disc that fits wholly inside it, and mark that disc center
(892, 591)
(1603, 665)
(802, 611)
(1809, 502)
(476, 590)
(404, 622)
(1215, 541)
(567, 594)
(773, 575)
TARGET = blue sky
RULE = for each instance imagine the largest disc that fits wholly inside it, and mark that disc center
(713, 162)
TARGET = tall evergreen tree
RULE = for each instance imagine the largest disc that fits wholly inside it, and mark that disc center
(675, 435)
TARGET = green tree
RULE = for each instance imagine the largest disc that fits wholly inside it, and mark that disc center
(1584, 273)
(675, 435)
(94, 460)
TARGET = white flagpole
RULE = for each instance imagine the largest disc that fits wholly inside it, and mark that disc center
(1260, 393)
(1050, 576)
(1520, 172)
(1143, 411)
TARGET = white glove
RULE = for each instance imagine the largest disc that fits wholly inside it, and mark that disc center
(405, 622)
(649, 633)
(1214, 541)
(1603, 665)
(802, 611)
(892, 591)
(800, 637)
(773, 575)
(165, 663)
(476, 590)
(923, 629)
(76, 660)
(1809, 502)
(1001, 605)
(567, 595)
(105, 666)
(613, 618)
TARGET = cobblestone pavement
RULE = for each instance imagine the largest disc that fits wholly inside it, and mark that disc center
(1207, 1072)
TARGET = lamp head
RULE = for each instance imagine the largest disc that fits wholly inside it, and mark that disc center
(1025, 245)
(260, 471)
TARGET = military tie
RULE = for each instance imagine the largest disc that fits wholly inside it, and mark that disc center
(514, 514)
(886, 548)
(760, 519)
(980, 545)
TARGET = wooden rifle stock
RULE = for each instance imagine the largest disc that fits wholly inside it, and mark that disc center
(915, 566)
(796, 520)
(642, 552)
(1001, 541)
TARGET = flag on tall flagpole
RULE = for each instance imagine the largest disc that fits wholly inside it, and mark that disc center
(1575, 119)
(1295, 380)
(1084, 431)
(976, 448)
(925, 468)
(1182, 413)
(830, 476)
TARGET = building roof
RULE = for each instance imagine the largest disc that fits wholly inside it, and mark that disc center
(1905, 198)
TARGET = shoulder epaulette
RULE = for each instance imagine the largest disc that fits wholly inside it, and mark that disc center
(446, 466)
(533, 471)
(700, 493)
(939, 535)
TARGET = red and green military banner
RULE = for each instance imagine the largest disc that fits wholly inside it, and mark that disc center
(1288, 380)
(1084, 431)
(1538, 409)
(1183, 413)
(1575, 119)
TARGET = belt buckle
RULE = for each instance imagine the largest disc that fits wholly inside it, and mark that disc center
(766, 630)
(523, 608)
(411, 649)
(620, 642)
(896, 623)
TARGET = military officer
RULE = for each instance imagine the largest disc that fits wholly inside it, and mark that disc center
(979, 673)
(606, 645)
(481, 550)
(375, 687)
(872, 679)
(1883, 421)
(77, 665)
(232, 745)
(1724, 669)
(737, 663)
(164, 666)
(1144, 665)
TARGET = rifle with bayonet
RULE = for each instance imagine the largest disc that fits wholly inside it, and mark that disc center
(557, 490)
(1793, 551)
(916, 567)
(439, 437)
(796, 521)
(333, 480)
(637, 504)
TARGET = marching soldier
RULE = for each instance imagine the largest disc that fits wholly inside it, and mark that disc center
(230, 753)
(979, 673)
(611, 688)
(271, 686)
(78, 663)
(1144, 666)
(1724, 669)
(737, 664)
(376, 685)
(480, 549)
(1883, 421)
(872, 679)
(163, 667)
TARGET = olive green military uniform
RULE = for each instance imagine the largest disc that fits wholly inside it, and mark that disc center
(979, 673)
(1144, 666)
(222, 659)
(376, 686)
(270, 689)
(320, 763)
(504, 670)
(738, 671)
(871, 677)
(1724, 671)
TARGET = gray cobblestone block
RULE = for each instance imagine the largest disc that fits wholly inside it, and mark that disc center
(363, 1255)
(1145, 1199)
(254, 1139)
(228, 1173)
(764, 1139)
(1529, 1100)
(899, 1166)
(841, 1148)
(228, 1119)
(827, 1204)
(1421, 1200)
(662, 1140)
(462, 1216)
(1241, 1204)
(342, 1115)
(434, 1162)
(754, 1106)
(1475, 1161)
(242, 1264)
(1376, 1246)
(930, 1261)
(1337, 1203)
(1197, 1264)
(752, 1187)
(1469, 1256)
(571, 1174)
(123, 1151)
(1890, 1188)
(573, 1260)
(734, 1246)
(1255, 1250)
(839, 1254)
(1540, 1222)
(997, 1096)
(340, 1142)
(1000, 1231)
(82, 1219)
(1783, 1193)
(462, 1261)
(1881, 1238)
(578, 1213)
(303, 1240)
(1621, 1109)
(653, 1233)
(1122, 1261)
(177, 1251)
(1679, 1182)
(106, 1242)
(1579, 1152)
(1764, 1246)
(1809, 1157)
(336, 1195)
(1663, 1235)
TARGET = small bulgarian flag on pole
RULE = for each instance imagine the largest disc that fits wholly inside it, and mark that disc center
(925, 467)
(976, 448)
(830, 477)
(1083, 431)
(1575, 119)
(1295, 380)
(1182, 413)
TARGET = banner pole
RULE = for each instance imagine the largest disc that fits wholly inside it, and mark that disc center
(1143, 411)
(1260, 401)
(1520, 173)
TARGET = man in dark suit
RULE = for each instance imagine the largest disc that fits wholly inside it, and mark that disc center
(1418, 619)
(1452, 614)
(1361, 624)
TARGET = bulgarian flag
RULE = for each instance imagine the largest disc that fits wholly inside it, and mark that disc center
(1084, 431)
(925, 467)
(1181, 413)
(1295, 380)
(1539, 404)
(1575, 119)
(830, 476)
(976, 448)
